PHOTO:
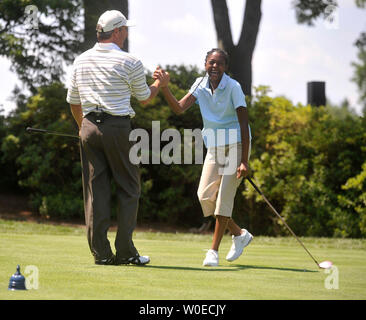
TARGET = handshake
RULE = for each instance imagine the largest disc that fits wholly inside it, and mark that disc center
(162, 79)
(161, 76)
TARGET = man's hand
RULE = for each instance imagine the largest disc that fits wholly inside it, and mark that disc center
(243, 170)
(161, 80)
(162, 76)
(77, 113)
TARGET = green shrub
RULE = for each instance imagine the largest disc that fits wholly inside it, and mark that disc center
(309, 162)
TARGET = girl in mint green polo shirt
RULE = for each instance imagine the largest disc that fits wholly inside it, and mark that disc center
(226, 135)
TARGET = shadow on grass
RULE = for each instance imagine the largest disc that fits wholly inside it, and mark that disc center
(239, 266)
(236, 267)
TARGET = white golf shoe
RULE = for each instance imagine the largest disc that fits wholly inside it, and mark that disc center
(239, 243)
(212, 258)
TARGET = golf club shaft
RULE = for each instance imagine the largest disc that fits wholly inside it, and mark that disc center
(51, 132)
(283, 220)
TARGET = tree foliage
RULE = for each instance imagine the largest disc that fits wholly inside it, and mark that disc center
(360, 69)
(40, 36)
(303, 159)
(37, 53)
(307, 11)
(47, 167)
(309, 161)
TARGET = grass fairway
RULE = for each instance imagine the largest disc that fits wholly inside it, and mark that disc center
(270, 268)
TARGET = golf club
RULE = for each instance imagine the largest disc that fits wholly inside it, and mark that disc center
(322, 265)
(30, 130)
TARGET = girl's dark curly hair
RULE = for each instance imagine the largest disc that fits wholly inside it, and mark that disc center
(220, 51)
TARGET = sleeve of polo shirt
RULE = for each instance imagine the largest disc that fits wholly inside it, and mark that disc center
(237, 96)
(73, 96)
(139, 87)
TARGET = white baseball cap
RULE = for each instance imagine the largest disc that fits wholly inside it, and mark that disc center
(112, 19)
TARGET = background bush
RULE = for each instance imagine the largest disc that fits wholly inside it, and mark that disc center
(309, 162)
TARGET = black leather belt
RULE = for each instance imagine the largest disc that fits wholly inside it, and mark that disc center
(100, 116)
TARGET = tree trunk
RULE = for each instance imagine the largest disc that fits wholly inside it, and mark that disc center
(241, 54)
(93, 9)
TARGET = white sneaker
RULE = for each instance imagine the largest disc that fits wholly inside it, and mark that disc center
(212, 258)
(141, 260)
(138, 260)
(239, 243)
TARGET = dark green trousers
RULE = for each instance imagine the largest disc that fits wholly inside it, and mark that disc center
(105, 156)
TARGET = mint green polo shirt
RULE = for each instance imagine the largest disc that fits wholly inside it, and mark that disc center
(218, 110)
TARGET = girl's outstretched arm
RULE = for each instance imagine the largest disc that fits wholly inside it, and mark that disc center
(177, 106)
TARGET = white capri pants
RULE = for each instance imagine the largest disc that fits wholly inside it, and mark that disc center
(218, 183)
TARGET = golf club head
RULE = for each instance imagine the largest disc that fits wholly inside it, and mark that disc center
(325, 264)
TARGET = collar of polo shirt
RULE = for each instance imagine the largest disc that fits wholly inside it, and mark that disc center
(222, 84)
(100, 46)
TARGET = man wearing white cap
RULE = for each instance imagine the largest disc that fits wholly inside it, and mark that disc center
(102, 82)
